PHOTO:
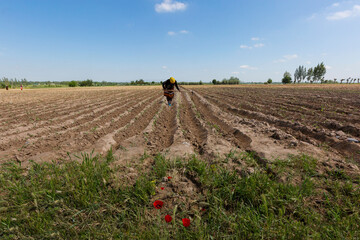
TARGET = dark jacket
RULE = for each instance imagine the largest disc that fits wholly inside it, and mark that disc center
(167, 85)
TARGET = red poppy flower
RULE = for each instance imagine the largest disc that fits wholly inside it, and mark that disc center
(203, 209)
(186, 222)
(168, 218)
(158, 204)
(162, 188)
(169, 178)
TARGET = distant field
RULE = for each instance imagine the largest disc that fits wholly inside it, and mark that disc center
(272, 121)
(244, 162)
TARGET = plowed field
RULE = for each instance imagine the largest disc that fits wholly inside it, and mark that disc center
(270, 121)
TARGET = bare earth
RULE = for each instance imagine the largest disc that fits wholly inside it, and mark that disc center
(270, 121)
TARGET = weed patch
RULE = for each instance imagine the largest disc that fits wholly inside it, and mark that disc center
(80, 200)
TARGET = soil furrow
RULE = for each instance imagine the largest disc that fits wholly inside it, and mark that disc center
(297, 130)
(316, 119)
(193, 130)
(60, 121)
(48, 110)
(164, 128)
(139, 122)
(291, 111)
(269, 121)
(70, 125)
(229, 133)
(69, 140)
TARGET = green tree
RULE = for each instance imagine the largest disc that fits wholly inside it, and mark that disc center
(86, 83)
(269, 81)
(73, 84)
(5, 81)
(231, 80)
(24, 81)
(286, 78)
(310, 75)
(234, 80)
(319, 71)
(140, 82)
(296, 75)
(214, 82)
(300, 74)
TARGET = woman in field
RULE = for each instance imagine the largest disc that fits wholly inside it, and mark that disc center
(169, 88)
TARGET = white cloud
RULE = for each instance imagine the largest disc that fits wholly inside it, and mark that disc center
(280, 61)
(336, 4)
(308, 62)
(247, 67)
(313, 16)
(245, 47)
(235, 73)
(286, 58)
(259, 45)
(255, 39)
(290, 57)
(328, 67)
(172, 33)
(355, 11)
(164, 67)
(170, 6)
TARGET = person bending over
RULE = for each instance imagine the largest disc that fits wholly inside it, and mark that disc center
(169, 88)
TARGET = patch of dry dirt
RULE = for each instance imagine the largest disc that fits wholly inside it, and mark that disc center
(271, 121)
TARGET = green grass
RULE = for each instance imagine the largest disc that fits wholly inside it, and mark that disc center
(86, 200)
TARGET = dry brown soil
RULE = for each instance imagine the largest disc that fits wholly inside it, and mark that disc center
(270, 121)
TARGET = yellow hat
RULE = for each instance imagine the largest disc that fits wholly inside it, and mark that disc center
(172, 80)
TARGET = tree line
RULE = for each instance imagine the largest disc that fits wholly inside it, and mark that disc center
(191, 83)
(142, 82)
(311, 75)
(16, 83)
(231, 80)
(12, 82)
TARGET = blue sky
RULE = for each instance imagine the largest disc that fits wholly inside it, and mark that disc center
(192, 40)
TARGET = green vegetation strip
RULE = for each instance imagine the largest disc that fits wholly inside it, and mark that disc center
(80, 200)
